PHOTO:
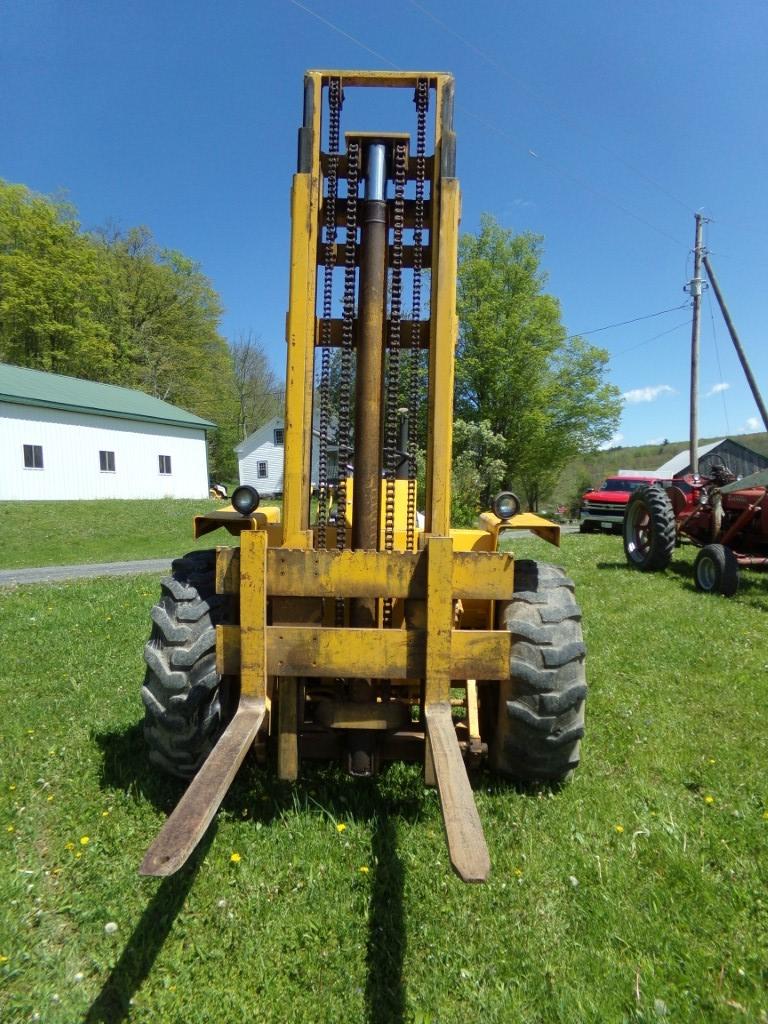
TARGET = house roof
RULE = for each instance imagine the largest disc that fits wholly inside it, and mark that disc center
(678, 462)
(22, 386)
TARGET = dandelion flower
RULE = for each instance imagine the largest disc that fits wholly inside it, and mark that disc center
(363, 869)
(518, 872)
(105, 814)
(78, 855)
(3, 959)
(341, 827)
(12, 786)
(84, 840)
(50, 799)
(712, 761)
(619, 828)
(235, 858)
(10, 829)
(110, 927)
(69, 846)
(709, 799)
(765, 815)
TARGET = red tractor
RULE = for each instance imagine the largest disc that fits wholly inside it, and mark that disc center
(725, 517)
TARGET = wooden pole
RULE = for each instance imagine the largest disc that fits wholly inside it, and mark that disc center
(737, 344)
(695, 289)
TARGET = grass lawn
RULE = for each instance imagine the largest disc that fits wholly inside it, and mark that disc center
(639, 892)
(70, 532)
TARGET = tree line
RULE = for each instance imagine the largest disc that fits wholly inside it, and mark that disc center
(114, 306)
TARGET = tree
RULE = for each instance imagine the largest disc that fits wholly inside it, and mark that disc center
(52, 289)
(478, 469)
(544, 393)
(258, 395)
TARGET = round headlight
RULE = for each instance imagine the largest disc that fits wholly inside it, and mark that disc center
(245, 499)
(506, 504)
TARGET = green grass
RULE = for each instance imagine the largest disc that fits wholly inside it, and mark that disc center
(624, 896)
(70, 532)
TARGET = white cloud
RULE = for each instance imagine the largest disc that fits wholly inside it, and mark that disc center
(614, 442)
(722, 386)
(656, 440)
(647, 394)
(752, 424)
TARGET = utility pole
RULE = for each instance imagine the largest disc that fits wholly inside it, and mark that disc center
(694, 288)
(737, 344)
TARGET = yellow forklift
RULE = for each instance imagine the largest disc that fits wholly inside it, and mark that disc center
(349, 626)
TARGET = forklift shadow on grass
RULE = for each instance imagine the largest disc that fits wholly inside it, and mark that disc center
(326, 790)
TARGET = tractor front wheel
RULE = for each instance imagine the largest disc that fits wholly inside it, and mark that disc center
(187, 704)
(716, 570)
(649, 529)
(540, 719)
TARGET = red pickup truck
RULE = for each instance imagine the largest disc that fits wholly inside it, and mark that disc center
(604, 508)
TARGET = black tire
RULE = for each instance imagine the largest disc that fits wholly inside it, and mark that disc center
(649, 529)
(716, 570)
(187, 704)
(540, 719)
(585, 527)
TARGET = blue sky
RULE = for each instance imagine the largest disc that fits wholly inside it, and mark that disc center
(601, 125)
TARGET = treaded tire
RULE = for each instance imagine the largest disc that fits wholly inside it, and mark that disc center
(649, 529)
(187, 704)
(541, 707)
(716, 570)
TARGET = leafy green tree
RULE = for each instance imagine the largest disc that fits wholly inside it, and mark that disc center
(52, 290)
(544, 393)
(478, 469)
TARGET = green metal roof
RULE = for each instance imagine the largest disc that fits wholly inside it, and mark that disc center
(52, 391)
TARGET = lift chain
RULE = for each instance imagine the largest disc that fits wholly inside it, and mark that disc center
(345, 370)
(421, 98)
(392, 400)
(335, 100)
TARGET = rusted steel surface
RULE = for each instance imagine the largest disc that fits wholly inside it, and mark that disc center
(194, 812)
(463, 830)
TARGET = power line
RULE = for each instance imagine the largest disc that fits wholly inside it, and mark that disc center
(502, 69)
(499, 131)
(685, 323)
(352, 39)
(623, 323)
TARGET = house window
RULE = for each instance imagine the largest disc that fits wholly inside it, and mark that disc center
(278, 435)
(165, 465)
(33, 456)
(261, 470)
(107, 462)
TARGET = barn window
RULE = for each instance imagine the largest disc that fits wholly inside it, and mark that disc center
(33, 456)
(107, 462)
(261, 470)
(165, 465)
(278, 435)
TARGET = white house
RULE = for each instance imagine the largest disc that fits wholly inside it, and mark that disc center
(261, 455)
(65, 438)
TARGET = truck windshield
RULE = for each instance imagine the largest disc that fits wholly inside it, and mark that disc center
(621, 485)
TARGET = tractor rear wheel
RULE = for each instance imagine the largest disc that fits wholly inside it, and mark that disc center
(187, 704)
(716, 570)
(649, 529)
(540, 718)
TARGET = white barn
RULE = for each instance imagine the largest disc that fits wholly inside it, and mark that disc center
(65, 438)
(261, 455)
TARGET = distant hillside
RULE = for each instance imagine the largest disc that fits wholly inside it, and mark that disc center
(591, 469)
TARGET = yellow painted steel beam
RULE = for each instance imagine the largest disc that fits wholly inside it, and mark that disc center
(399, 574)
(441, 359)
(437, 669)
(351, 652)
(253, 614)
(522, 521)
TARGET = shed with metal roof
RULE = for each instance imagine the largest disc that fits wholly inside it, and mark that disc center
(67, 438)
